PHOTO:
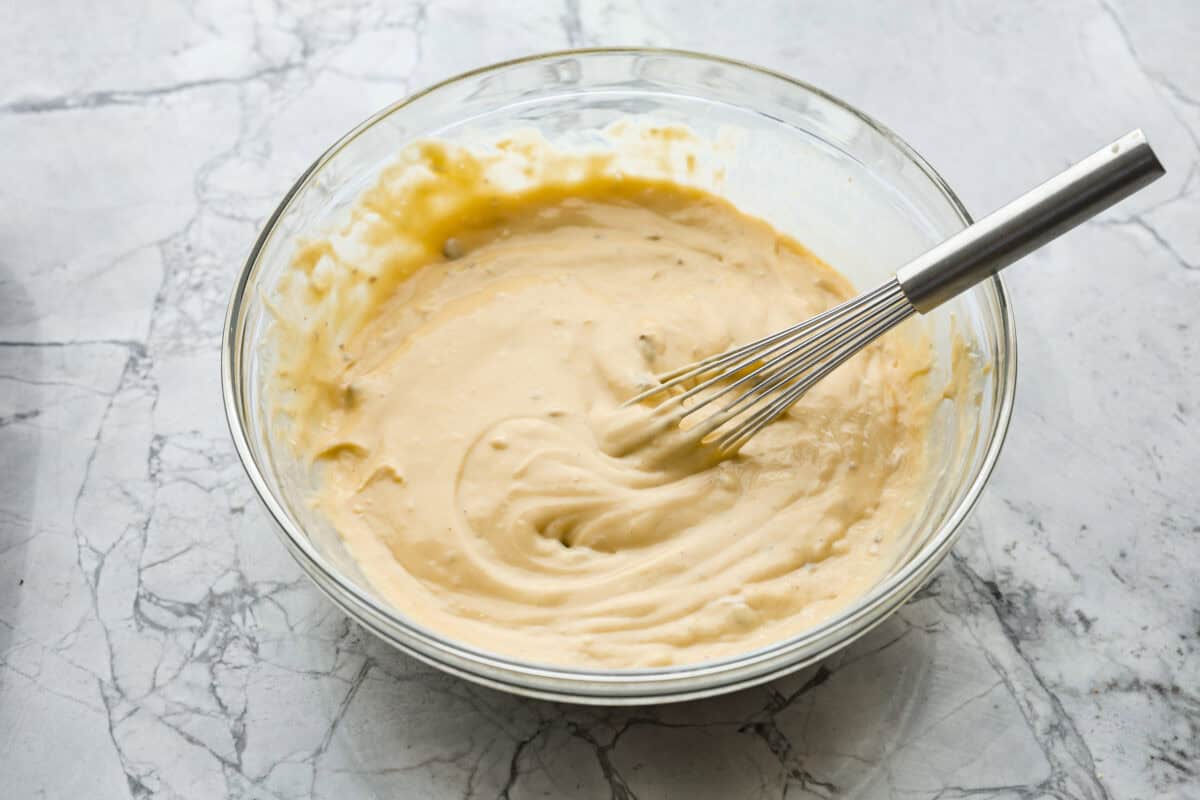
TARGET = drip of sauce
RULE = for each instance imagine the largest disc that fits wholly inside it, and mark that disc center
(453, 363)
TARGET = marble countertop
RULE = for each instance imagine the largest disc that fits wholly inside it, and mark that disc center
(157, 641)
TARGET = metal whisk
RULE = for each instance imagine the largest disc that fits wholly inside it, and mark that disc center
(761, 380)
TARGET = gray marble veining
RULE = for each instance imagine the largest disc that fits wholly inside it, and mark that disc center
(157, 641)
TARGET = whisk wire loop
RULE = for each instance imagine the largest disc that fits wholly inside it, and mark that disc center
(767, 376)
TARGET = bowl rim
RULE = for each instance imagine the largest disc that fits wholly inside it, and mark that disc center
(610, 686)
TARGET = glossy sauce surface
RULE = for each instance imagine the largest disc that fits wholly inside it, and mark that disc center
(452, 361)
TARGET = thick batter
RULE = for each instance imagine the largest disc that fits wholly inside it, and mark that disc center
(450, 362)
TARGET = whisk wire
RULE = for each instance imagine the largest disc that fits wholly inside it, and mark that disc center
(773, 372)
(766, 376)
(734, 439)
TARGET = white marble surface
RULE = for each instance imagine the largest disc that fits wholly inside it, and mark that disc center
(155, 638)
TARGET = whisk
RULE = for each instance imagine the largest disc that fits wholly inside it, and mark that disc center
(759, 381)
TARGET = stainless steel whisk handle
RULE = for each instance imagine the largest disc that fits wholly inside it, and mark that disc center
(1015, 230)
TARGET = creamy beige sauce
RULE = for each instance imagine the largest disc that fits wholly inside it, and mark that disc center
(452, 363)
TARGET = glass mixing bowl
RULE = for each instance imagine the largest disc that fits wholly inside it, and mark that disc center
(813, 166)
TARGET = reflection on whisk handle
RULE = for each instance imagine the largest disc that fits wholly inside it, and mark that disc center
(1012, 232)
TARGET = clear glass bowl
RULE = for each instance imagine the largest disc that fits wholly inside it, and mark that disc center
(815, 167)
